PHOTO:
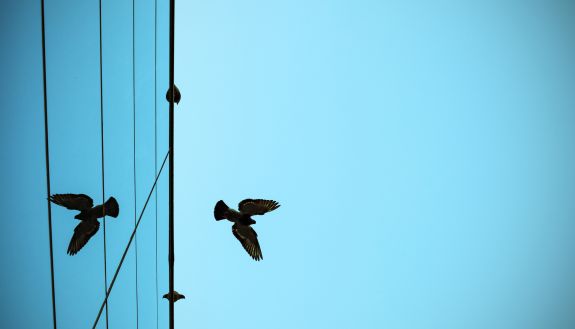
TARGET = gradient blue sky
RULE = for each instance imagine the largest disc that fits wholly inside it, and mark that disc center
(423, 153)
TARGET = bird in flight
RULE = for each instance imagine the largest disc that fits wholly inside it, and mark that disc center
(176, 296)
(242, 220)
(88, 216)
(177, 95)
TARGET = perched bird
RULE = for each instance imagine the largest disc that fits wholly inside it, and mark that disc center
(88, 216)
(177, 95)
(175, 296)
(242, 220)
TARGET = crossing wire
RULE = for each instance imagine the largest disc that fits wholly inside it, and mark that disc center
(103, 176)
(47, 151)
(134, 153)
(129, 243)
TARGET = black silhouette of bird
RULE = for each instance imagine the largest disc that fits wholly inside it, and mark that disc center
(242, 221)
(88, 216)
(177, 95)
(176, 296)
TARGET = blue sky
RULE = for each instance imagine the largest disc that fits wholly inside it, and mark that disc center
(422, 154)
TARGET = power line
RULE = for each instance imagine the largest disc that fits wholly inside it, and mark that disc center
(134, 153)
(129, 243)
(156, 143)
(171, 177)
(48, 165)
(103, 176)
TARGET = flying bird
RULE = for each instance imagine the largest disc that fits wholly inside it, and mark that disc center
(242, 221)
(175, 296)
(88, 216)
(177, 95)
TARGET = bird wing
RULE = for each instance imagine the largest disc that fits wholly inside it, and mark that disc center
(73, 201)
(82, 233)
(249, 240)
(257, 206)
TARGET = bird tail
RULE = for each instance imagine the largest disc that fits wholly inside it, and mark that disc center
(220, 210)
(112, 207)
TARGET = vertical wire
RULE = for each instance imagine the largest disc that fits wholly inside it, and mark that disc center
(134, 142)
(103, 176)
(48, 165)
(171, 256)
(156, 143)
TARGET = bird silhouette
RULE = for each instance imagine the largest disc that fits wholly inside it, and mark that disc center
(242, 221)
(88, 216)
(176, 296)
(177, 95)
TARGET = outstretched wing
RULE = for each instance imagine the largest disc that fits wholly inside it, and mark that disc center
(82, 233)
(249, 240)
(257, 206)
(73, 201)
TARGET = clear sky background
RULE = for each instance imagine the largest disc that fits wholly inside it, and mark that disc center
(423, 154)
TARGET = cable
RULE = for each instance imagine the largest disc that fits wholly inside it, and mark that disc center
(156, 144)
(103, 176)
(171, 256)
(48, 164)
(134, 153)
(129, 243)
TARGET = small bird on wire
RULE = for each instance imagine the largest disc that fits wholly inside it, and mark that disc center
(242, 221)
(88, 216)
(177, 95)
(175, 296)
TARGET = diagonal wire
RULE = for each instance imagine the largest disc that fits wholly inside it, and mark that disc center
(48, 164)
(134, 153)
(129, 243)
(103, 176)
